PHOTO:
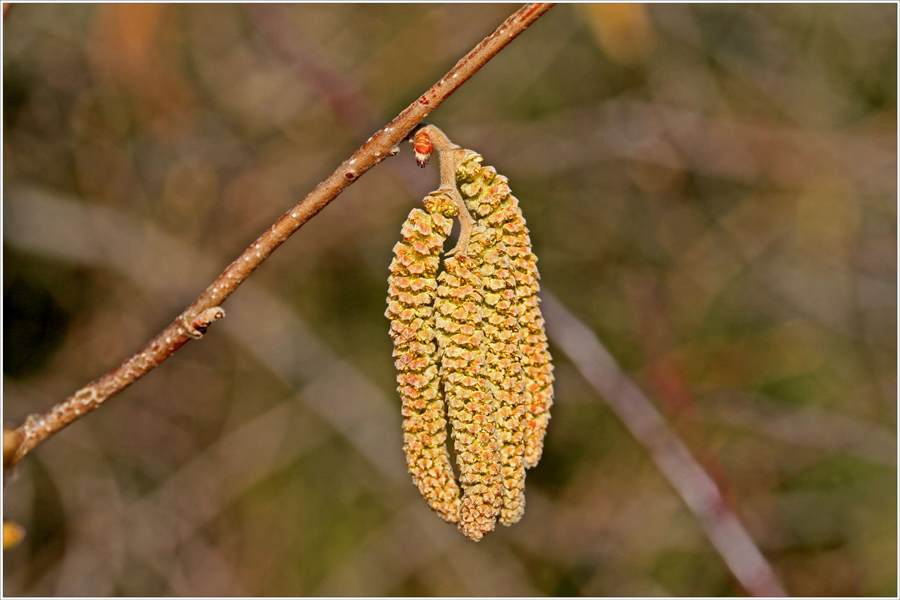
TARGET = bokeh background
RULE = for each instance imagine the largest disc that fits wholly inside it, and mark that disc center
(710, 189)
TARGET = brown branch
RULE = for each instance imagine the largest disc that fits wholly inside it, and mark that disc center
(670, 455)
(384, 143)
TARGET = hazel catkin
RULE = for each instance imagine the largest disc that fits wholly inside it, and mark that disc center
(503, 371)
(470, 405)
(488, 197)
(411, 290)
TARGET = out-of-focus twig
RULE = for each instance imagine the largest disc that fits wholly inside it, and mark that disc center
(803, 426)
(333, 86)
(382, 144)
(698, 490)
(739, 149)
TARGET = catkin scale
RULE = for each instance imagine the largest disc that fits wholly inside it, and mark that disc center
(412, 285)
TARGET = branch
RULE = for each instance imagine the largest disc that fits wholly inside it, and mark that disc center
(192, 321)
(674, 460)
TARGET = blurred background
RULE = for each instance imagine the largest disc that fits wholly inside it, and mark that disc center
(710, 189)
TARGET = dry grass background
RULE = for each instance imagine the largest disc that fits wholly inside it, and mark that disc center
(711, 189)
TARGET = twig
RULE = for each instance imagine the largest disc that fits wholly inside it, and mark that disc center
(38, 428)
(698, 490)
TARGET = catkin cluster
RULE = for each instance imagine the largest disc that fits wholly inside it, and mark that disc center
(471, 337)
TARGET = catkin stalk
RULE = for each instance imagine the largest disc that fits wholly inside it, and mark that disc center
(411, 292)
